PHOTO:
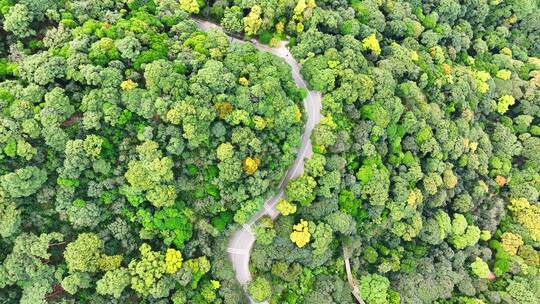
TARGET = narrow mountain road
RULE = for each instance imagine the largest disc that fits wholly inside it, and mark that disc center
(242, 241)
(352, 282)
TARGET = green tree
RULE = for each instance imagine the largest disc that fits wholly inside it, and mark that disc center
(232, 19)
(10, 216)
(75, 281)
(148, 274)
(23, 182)
(113, 282)
(374, 289)
(225, 151)
(322, 237)
(152, 174)
(17, 20)
(480, 268)
(314, 166)
(301, 189)
(85, 254)
(341, 222)
(27, 266)
(264, 230)
(260, 289)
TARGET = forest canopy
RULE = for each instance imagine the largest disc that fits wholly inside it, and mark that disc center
(133, 144)
(131, 140)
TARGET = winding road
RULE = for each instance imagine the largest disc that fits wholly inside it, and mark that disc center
(242, 241)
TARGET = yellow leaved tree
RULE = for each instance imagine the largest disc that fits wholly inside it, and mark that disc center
(253, 21)
(173, 260)
(300, 235)
(251, 165)
(371, 43)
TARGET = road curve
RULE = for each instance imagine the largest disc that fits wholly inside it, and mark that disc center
(242, 241)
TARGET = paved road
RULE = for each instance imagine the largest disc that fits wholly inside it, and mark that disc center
(352, 282)
(242, 241)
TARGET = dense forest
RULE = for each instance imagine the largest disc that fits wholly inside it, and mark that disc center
(133, 144)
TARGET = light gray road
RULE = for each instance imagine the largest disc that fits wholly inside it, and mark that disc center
(242, 241)
(352, 282)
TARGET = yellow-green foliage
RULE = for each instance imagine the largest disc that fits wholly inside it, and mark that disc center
(527, 215)
(109, 262)
(371, 43)
(529, 255)
(147, 272)
(128, 85)
(243, 81)
(480, 268)
(152, 173)
(9, 217)
(190, 6)
(198, 265)
(505, 101)
(285, 207)
(85, 253)
(481, 81)
(485, 235)
(113, 282)
(173, 260)
(92, 145)
(450, 180)
(504, 74)
(260, 123)
(463, 234)
(300, 235)
(511, 242)
(224, 151)
(253, 21)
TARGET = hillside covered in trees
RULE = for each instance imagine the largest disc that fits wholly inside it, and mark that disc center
(133, 144)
